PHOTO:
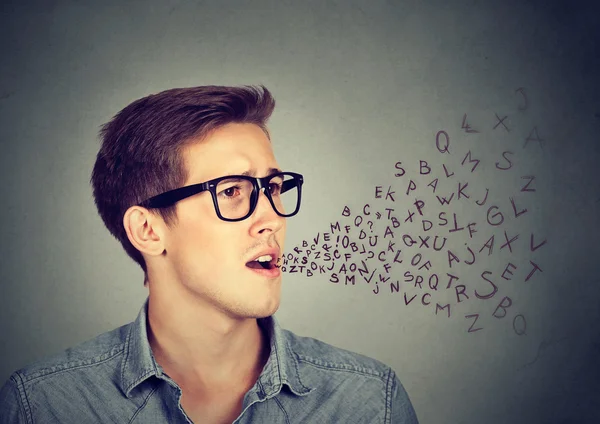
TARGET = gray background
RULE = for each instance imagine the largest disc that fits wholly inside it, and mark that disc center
(360, 86)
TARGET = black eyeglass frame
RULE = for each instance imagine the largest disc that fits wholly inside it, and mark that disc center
(169, 198)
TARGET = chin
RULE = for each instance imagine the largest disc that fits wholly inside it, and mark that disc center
(268, 308)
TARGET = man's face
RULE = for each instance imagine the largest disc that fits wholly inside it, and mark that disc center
(207, 255)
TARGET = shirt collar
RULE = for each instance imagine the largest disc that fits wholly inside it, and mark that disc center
(138, 362)
(281, 368)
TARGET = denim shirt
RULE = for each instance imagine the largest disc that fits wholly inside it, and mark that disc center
(114, 378)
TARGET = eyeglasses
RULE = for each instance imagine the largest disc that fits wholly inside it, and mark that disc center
(235, 196)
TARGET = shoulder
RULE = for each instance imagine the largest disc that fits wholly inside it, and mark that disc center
(318, 354)
(59, 385)
(348, 386)
(84, 356)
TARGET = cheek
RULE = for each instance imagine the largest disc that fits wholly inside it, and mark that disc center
(281, 237)
(197, 225)
(192, 237)
(209, 246)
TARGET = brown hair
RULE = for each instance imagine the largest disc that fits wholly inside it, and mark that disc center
(140, 155)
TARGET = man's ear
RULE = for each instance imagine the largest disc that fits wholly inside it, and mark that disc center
(144, 230)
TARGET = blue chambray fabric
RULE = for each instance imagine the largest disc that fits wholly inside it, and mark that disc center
(114, 378)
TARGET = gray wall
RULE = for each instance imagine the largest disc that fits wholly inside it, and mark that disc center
(360, 86)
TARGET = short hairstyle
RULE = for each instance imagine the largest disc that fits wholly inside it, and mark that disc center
(140, 153)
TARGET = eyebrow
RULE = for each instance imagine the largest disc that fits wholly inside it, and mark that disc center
(252, 172)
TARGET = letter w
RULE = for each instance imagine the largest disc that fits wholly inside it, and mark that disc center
(444, 200)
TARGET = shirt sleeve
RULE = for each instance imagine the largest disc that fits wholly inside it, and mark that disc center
(11, 407)
(401, 409)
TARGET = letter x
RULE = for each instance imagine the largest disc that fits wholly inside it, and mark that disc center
(501, 121)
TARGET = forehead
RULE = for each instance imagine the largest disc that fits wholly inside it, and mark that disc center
(231, 149)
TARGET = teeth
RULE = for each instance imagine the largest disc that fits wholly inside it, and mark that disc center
(265, 258)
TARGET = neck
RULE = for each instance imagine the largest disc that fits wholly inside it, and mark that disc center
(204, 349)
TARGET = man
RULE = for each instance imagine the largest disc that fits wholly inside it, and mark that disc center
(187, 181)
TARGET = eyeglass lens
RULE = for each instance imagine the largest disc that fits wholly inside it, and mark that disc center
(234, 195)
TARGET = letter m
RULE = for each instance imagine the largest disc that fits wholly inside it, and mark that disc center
(438, 307)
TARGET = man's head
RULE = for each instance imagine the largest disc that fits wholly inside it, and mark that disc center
(141, 152)
(184, 137)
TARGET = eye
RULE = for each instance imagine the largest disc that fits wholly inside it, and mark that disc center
(275, 188)
(231, 191)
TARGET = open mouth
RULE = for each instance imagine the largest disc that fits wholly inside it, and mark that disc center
(259, 265)
(264, 262)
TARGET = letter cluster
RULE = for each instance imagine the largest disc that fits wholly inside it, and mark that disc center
(416, 237)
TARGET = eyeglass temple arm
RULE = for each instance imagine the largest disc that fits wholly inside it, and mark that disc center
(288, 185)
